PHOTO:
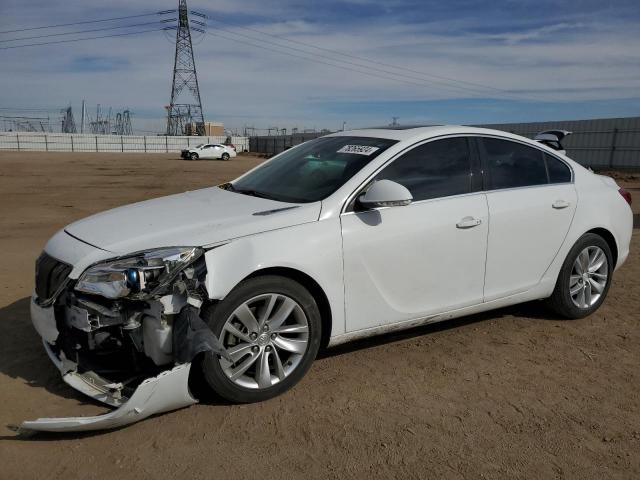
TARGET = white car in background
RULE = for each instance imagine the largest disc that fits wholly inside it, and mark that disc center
(208, 151)
(342, 237)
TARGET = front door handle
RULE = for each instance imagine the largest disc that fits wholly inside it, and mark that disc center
(559, 204)
(468, 222)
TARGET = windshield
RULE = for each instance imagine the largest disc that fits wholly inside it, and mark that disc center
(313, 170)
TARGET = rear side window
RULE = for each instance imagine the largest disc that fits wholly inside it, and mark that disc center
(558, 171)
(436, 169)
(512, 164)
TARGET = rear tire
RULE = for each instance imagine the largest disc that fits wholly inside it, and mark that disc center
(270, 356)
(584, 279)
(225, 156)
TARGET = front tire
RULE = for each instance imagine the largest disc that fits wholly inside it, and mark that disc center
(194, 156)
(585, 278)
(271, 328)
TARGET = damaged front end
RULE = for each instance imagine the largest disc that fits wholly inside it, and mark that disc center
(124, 333)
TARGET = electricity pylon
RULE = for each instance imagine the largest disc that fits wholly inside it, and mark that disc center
(185, 108)
(68, 123)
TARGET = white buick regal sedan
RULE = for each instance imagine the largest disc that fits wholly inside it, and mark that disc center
(350, 235)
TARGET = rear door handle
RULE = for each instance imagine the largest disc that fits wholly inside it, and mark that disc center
(558, 204)
(468, 222)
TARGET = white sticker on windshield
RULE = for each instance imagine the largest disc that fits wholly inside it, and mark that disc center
(358, 149)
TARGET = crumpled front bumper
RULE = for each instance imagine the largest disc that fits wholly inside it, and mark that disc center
(167, 391)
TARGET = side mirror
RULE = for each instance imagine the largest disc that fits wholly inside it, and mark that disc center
(385, 193)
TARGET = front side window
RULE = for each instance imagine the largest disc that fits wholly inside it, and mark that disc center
(512, 164)
(436, 169)
(311, 171)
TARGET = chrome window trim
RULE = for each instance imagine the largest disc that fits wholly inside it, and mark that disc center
(345, 207)
(494, 190)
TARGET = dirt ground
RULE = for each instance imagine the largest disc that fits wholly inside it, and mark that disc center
(514, 393)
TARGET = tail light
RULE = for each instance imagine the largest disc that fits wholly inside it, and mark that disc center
(626, 195)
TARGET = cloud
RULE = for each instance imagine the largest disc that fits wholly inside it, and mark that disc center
(97, 63)
(547, 55)
(512, 38)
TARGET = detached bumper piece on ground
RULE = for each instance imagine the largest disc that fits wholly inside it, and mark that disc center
(165, 392)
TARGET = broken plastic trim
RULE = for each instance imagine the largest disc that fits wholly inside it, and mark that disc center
(89, 383)
(192, 336)
(168, 391)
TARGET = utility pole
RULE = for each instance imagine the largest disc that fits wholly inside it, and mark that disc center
(82, 119)
(395, 122)
(184, 111)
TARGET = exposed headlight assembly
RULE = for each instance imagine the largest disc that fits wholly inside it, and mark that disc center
(138, 276)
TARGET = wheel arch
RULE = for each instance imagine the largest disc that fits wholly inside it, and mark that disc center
(608, 237)
(550, 278)
(315, 290)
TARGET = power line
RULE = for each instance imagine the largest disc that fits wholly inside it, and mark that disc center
(397, 77)
(345, 54)
(23, 109)
(364, 59)
(386, 72)
(90, 30)
(342, 67)
(163, 12)
(19, 117)
(86, 38)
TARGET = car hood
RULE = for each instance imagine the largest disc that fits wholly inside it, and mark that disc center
(198, 218)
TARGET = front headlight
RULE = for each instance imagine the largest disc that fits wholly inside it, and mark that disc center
(139, 275)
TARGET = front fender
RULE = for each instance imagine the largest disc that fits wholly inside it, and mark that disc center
(314, 249)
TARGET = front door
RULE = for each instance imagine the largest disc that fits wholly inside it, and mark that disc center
(410, 262)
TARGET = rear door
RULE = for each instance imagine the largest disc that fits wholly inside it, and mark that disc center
(532, 200)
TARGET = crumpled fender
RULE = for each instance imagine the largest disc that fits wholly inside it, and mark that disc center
(168, 391)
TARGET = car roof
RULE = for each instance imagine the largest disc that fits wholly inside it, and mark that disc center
(424, 132)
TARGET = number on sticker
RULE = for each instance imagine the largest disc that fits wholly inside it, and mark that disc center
(358, 149)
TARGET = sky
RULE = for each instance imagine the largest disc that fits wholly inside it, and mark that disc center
(317, 64)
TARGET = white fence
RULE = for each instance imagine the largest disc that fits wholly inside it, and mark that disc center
(65, 142)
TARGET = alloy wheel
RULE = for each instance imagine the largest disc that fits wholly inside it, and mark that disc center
(589, 277)
(266, 338)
